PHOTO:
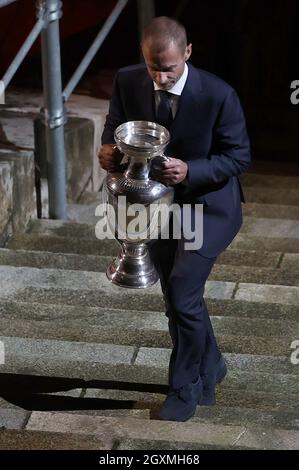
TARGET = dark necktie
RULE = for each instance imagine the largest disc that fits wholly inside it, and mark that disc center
(164, 112)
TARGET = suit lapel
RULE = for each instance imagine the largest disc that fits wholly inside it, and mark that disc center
(189, 99)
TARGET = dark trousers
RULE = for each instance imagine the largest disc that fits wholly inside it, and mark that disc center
(183, 274)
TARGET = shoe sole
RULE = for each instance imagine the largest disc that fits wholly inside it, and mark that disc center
(178, 420)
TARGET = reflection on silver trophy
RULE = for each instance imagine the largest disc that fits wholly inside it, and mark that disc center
(140, 141)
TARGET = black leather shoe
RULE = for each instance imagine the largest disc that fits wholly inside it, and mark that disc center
(210, 381)
(180, 404)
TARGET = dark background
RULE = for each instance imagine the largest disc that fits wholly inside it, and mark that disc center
(252, 44)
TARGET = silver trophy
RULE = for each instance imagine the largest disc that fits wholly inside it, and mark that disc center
(131, 192)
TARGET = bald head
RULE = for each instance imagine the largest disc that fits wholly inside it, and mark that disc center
(163, 32)
(165, 51)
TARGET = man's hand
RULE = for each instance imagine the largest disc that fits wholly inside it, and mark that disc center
(110, 157)
(173, 172)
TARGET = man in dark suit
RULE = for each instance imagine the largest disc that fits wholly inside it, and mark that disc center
(209, 148)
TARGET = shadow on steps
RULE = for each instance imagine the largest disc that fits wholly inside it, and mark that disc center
(32, 393)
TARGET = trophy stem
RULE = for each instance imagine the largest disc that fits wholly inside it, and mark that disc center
(138, 169)
(133, 268)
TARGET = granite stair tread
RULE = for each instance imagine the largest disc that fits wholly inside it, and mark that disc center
(139, 328)
(203, 435)
(17, 281)
(228, 267)
(61, 320)
(90, 361)
(92, 246)
(96, 262)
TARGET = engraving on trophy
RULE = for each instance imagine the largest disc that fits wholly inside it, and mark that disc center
(131, 184)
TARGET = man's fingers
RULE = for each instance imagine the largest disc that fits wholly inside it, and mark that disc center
(170, 174)
(171, 164)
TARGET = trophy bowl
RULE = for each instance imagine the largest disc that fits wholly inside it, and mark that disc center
(135, 192)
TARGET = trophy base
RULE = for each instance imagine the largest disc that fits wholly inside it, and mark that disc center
(133, 268)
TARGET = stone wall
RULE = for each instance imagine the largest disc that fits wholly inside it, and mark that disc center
(23, 158)
(17, 191)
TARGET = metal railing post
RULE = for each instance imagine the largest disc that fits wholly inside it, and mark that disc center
(53, 113)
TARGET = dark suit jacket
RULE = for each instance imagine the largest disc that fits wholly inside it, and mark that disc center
(208, 133)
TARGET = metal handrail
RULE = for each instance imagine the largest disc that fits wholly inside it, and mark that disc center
(104, 31)
(39, 25)
(3, 3)
(53, 114)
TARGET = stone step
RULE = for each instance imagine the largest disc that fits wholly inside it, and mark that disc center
(19, 281)
(59, 244)
(16, 417)
(61, 228)
(111, 412)
(90, 197)
(241, 367)
(39, 259)
(263, 195)
(58, 228)
(136, 300)
(137, 400)
(52, 260)
(157, 432)
(274, 227)
(273, 182)
(271, 228)
(150, 397)
(279, 276)
(281, 211)
(281, 235)
(84, 246)
(140, 328)
(113, 362)
(224, 269)
(261, 244)
(83, 213)
(237, 308)
(275, 211)
(12, 417)
(44, 440)
(93, 289)
(290, 261)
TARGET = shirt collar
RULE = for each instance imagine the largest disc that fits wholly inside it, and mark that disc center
(179, 85)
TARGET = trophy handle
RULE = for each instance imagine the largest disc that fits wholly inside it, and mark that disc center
(156, 162)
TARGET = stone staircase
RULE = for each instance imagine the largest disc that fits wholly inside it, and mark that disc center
(86, 362)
